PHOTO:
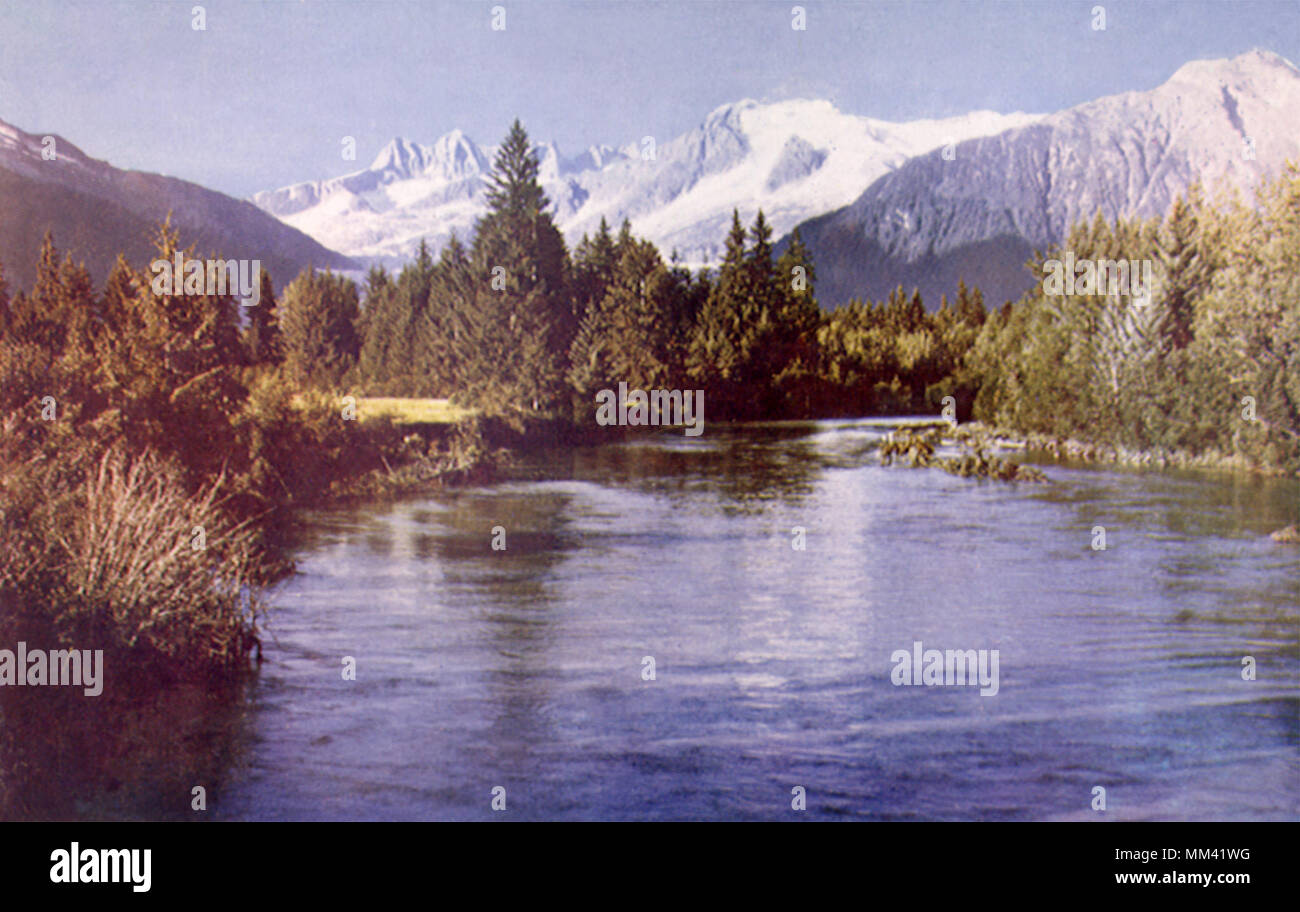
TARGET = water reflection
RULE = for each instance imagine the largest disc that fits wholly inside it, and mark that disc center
(743, 467)
(524, 667)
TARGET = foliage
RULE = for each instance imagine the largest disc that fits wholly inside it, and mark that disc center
(318, 320)
(1219, 337)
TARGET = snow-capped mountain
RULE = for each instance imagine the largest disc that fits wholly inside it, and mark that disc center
(96, 211)
(979, 216)
(795, 159)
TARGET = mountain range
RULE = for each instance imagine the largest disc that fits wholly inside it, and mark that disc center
(980, 212)
(795, 159)
(920, 203)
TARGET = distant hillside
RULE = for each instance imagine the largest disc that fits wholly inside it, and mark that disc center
(97, 211)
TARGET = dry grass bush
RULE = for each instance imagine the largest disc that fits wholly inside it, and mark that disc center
(113, 563)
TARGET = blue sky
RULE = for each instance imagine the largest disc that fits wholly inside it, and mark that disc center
(265, 94)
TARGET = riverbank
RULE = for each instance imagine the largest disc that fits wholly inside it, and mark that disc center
(976, 433)
(1065, 449)
(425, 457)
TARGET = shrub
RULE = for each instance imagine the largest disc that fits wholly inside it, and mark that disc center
(131, 561)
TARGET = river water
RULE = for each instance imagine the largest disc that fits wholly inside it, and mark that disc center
(527, 668)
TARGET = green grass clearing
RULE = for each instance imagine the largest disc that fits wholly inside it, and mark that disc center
(412, 411)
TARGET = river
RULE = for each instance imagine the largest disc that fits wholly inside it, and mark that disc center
(526, 668)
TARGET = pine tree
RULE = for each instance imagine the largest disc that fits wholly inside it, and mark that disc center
(262, 343)
(798, 319)
(517, 235)
(916, 315)
(762, 296)
(376, 329)
(60, 303)
(518, 303)
(413, 366)
(318, 325)
(451, 293)
(970, 305)
(1248, 325)
(119, 290)
(594, 262)
(389, 360)
(715, 354)
(1187, 274)
(505, 368)
(639, 310)
(165, 359)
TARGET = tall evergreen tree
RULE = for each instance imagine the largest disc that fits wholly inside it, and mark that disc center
(594, 262)
(799, 319)
(61, 307)
(517, 235)
(451, 293)
(376, 328)
(1187, 272)
(519, 264)
(716, 351)
(318, 319)
(262, 343)
(389, 357)
(970, 305)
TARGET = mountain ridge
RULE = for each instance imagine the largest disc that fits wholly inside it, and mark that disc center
(1213, 122)
(793, 158)
(96, 211)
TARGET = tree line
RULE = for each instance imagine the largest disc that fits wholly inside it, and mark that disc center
(1209, 362)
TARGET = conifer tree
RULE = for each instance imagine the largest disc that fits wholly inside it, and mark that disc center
(517, 234)
(451, 293)
(594, 262)
(60, 303)
(716, 350)
(1187, 272)
(798, 319)
(119, 290)
(970, 305)
(318, 325)
(414, 366)
(518, 303)
(375, 327)
(262, 343)
(388, 356)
